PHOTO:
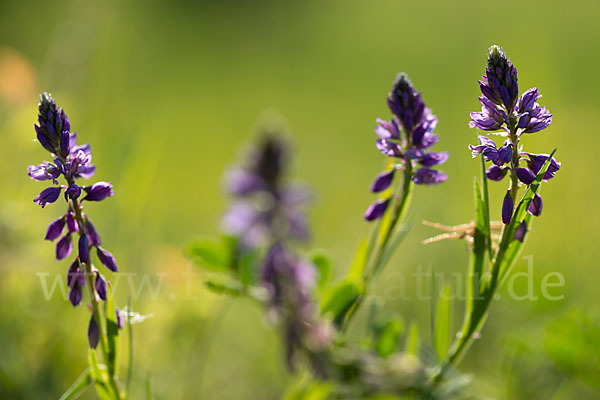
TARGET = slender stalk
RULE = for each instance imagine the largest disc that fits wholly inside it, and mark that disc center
(89, 277)
(398, 212)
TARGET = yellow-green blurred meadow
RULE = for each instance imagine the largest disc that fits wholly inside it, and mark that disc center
(169, 92)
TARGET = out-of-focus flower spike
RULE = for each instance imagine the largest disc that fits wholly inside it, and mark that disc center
(427, 176)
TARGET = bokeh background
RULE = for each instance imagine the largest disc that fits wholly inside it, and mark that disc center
(168, 92)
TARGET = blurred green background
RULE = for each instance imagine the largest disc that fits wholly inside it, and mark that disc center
(168, 92)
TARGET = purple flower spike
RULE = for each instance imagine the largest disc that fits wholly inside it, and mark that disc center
(75, 293)
(377, 209)
(93, 333)
(63, 247)
(107, 259)
(507, 208)
(389, 148)
(387, 130)
(72, 225)
(525, 176)
(100, 285)
(84, 249)
(55, 229)
(499, 84)
(48, 195)
(521, 231)
(383, 181)
(98, 191)
(536, 205)
(426, 176)
(496, 173)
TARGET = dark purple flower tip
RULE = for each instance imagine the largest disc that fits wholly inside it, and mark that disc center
(501, 79)
(93, 333)
(63, 247)
(44, 139)
(536, 205)
(43, 172)
(507, 208)
(382, 181)
(48, 195)
(496, 173)
(72, 225)
(75, 293)
(100, 285)
(377, 209)
(98, 191)
(426, 176)
(107, 259)
(536, 162)
(91, 233)
(84, 249)
(528, 99)
(387, 130)
(406, 103)
(389, 148)
(431, 159)
(240, 182)
(525, 176)
(55, 229)
(73, 192)
(75, 274)
(521, 231)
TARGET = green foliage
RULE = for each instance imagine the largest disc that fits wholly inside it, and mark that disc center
(212, 255)
(387, 336)
(323, 265)
(339, 299)
(112, 332)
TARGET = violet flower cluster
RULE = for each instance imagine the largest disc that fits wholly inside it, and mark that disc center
(405, 138)
(267, 213)
(507, 114)
(72, 162)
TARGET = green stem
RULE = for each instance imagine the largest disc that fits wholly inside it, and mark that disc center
(398, 212)
(476, 314)
(89, 277)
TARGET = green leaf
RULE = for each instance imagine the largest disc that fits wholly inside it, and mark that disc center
(442, 323)
(323, 266)
(213, 255)
(481, 239)
(248, 267)
(224, 285)
(339, 299)
(401, 233)
(359, 262)
(112, 332)
(100, 378)
(412, 339)
(388, 336)
(79, 386)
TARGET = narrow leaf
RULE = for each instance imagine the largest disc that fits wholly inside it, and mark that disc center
(412, 339)
(388, 337)
(210, 254)
(339, 299)
(112, 332)
(359, 262)
(442, 323)
(79, 386)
